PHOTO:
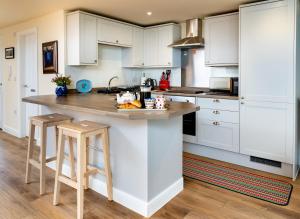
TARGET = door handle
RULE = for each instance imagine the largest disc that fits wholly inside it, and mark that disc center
(32, 90)
(25, 85)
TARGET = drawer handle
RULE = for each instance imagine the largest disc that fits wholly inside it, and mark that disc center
(216, 123)
(216, 112)
(216, 101)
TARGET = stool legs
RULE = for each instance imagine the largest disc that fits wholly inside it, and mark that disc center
(43, 159)
(107, 164)
(30, 151)
(81, 148)
(71, 157)
(85, 163)
(60, 159)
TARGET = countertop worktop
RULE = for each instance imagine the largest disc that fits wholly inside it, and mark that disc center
(104, 105)
(202, 95)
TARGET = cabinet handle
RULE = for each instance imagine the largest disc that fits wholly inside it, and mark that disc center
(216, 123)
(216, 101)
(32, 90)
(242, 102)
(169, 63)
(216, 112)
(117, 41)
(242, 98)
(95, 61)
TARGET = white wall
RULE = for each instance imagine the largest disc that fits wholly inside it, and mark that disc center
(49, 27)
(110, 64)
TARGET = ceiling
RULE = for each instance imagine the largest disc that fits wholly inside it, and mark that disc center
(15, 11)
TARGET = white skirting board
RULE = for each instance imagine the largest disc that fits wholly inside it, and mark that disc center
(236, 158)
(146, 209)
(11, 131)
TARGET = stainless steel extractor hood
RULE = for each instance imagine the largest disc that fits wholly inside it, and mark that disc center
(193, 35)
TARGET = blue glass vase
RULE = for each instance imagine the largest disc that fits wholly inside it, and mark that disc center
(61, 91)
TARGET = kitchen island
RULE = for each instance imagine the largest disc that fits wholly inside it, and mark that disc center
(146, 147)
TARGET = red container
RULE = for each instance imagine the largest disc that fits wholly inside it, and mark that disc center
(164, 84)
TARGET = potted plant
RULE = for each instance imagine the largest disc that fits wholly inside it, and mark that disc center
(61, 82)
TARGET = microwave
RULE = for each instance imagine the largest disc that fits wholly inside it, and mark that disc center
(227, 84)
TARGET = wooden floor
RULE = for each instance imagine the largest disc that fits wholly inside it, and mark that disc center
(198, 200)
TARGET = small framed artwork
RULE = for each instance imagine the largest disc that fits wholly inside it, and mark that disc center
(10, 53)
(50, 57)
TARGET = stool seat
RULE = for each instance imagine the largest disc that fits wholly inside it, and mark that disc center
(43, 122)
(82, 132)
(83, 127)
(49, 119)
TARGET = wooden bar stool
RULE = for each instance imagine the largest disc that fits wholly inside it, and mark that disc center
(82, 131)
(43, 122)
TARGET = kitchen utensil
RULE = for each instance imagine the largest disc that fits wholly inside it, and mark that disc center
(149, 103)
(145, 94)
(164, 85)
(160, 102)
(127, 97)
(84, 86)
(151, 83)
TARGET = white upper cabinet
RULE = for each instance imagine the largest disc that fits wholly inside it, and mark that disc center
(157, 52)
(151, 47)
(221, 34)
(267, 52)
(114, 33)
(81, 34)
(134, 56)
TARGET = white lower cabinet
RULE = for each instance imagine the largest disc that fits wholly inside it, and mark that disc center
(221, 135)
(267, 130)
(218, 123)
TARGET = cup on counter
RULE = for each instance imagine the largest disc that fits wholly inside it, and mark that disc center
(149, 103)
(160, 102)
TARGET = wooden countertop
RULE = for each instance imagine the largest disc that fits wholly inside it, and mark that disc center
(201, 95)
(104, 105)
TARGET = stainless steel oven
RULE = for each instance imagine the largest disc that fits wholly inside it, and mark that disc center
(189, 121)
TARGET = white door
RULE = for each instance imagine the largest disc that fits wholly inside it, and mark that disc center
(217, 134)
(88, 39)
(1, 93)
(267, 130)
(165, 38)
(138, 47)
(29, 76)
(221, 40)
(151, 47)
(266, 47)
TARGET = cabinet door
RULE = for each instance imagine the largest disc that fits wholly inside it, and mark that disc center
(266, 130)
(111, 32)
(266, 65)
(219, 135)
(138, 47)
(107, 31)
(221, 40)
(124, 34)
(165, 53)
(151, 47)
(88, 39)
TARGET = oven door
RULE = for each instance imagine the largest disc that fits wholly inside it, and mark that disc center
(189, 121)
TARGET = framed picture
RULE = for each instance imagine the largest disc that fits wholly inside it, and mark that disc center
(10, 53)
(50, 57)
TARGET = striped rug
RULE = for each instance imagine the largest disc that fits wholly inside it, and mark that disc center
(260, 187)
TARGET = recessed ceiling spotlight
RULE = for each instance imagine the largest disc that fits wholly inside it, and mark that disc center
(149, 13)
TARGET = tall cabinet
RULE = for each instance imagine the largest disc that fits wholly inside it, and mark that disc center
(268, 80)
